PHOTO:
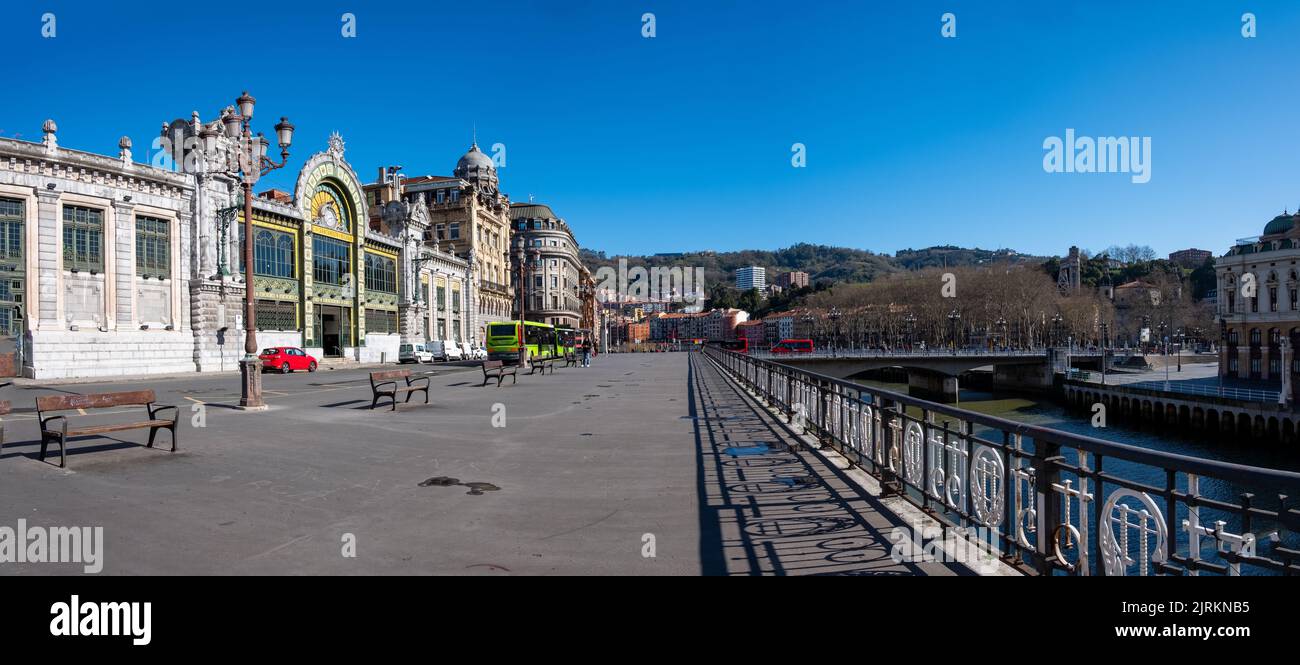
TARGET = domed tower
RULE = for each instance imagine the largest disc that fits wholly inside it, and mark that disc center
(478, 169)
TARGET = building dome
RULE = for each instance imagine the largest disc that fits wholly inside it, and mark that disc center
(473, 163)
(1280, 224)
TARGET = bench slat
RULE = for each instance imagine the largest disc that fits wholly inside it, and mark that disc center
(96, 401)
(118, 427)
(389, 375)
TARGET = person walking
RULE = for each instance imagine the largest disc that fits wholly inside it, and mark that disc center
(586, 353)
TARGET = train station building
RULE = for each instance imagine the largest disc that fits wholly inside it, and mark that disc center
(111, 267)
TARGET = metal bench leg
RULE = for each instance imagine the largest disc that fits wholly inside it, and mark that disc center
(485, 379)
(63, 451)
(153, 431)
(374, 402)
(173, 430)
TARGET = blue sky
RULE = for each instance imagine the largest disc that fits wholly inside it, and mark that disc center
(682, 142)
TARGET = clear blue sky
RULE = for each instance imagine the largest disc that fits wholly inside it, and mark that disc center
(683, 142)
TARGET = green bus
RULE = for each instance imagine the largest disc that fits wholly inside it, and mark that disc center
(540, 338)
(568, 339)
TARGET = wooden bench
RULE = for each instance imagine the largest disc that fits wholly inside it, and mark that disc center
(544, 363)
(499, 370)
(54, 429)
(378, 381)
(570, 360)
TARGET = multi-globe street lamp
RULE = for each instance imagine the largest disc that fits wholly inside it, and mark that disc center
(909, 326)
(250, 163)
(525, 259)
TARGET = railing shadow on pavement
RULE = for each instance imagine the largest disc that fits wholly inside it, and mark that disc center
(765, 509)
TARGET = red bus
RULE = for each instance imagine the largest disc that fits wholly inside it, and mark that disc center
(793, 346)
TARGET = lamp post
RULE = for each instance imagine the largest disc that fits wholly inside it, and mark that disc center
(524, 258)
(954, 318)
(835, 319)
(249, 164)
(1105, 340)
(1001, 323)
(1056, 329)
(909, 323)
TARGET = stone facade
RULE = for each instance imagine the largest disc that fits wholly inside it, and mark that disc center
(1259, 304)
(554, 293)
(469, 217)
(110, 267)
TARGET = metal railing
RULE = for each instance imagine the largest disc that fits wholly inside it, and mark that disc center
(904, 353)
(1045, 500)
(1183, 387)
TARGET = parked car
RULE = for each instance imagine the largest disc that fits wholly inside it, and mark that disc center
(413, 353)
(285, 359)
(793, 346)
(444, 350)
(468, 352)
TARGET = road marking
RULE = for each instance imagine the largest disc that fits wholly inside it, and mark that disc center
(197, 401)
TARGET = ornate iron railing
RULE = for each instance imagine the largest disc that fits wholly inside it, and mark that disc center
(1044, 500)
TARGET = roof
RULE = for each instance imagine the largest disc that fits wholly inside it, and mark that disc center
(531, 211)
(1280, 224)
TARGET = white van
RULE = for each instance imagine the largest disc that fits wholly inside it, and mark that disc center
(413, 353)
(444, 350)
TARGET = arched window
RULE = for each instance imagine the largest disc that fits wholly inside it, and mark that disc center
(1254, 337)
(273, 254)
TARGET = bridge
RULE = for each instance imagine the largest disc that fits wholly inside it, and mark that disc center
(934, 374)
(707, 463)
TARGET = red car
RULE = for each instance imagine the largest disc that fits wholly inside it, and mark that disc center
(286, 359)
(793, 346)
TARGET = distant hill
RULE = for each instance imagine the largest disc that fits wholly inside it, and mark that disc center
(821, 262)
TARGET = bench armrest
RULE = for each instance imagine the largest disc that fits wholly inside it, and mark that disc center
(155, 408)
(412, 379)
(45, 421)
(375, 386)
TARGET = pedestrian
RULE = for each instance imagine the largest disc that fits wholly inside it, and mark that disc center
(586, 353)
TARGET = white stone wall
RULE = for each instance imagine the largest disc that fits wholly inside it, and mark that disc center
(90, 353)
(378, 345)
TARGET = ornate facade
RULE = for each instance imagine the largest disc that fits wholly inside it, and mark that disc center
(1259, 304)
(111, 267)
(470, 217)
(554, 293)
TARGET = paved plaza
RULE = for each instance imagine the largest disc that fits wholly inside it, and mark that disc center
(593, 469)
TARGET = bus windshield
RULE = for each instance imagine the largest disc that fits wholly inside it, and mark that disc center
(502, 330)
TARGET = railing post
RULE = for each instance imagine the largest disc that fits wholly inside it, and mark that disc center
(889, 483)
(1046, 474)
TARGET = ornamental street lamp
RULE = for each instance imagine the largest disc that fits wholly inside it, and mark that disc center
(1001, 323)
(249, 164)
(525, 259)
(909, 324)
